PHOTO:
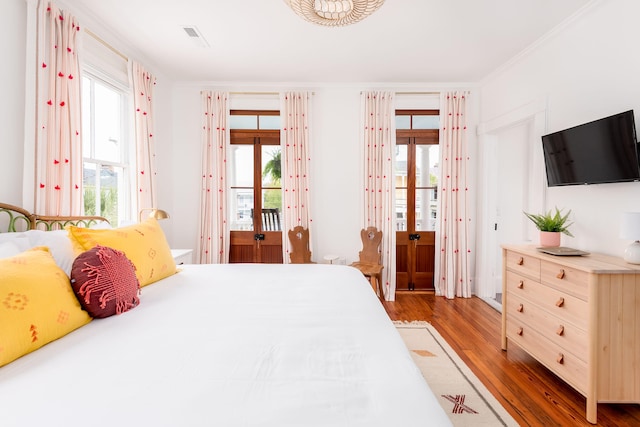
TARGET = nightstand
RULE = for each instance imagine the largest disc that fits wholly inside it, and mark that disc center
(182, 256)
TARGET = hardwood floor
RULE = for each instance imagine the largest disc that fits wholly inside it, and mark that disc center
(530, 393)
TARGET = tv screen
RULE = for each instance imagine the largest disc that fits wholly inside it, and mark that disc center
(600, 151)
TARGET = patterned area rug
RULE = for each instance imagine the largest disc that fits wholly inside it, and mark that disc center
(465, 399)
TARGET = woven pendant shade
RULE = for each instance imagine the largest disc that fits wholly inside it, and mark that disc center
(334, 13)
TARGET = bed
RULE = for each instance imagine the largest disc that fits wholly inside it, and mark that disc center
(229, 345)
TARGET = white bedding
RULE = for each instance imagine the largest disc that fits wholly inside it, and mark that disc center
(229, 345)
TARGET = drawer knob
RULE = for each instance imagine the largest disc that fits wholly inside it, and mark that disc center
(560, 330)
(521, 284)
(561, 274)
(520, 330)
(560, 358)
(560, 302)
(520, 261)
(520, 308)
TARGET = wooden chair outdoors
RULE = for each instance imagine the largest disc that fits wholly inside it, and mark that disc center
(270, 219)
(300, 253)
(370, 257)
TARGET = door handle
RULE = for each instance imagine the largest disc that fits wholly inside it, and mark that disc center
(258, 236)
(415, 236)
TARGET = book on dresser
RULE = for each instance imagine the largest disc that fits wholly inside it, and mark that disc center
(579, 316)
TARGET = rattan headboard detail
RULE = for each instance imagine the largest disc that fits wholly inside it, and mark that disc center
(14, 218)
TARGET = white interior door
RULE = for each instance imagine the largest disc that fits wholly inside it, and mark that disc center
(512, 183)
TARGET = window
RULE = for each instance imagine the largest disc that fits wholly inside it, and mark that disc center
(105, 149)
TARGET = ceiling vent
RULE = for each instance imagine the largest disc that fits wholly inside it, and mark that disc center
(195, 35)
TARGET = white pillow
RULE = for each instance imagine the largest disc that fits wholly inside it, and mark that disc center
(9, 249)
(58, 243)
(20, 239)
(101, 225)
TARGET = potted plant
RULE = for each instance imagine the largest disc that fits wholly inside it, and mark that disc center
(551, 225)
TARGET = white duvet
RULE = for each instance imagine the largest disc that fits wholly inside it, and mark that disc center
(229, 345)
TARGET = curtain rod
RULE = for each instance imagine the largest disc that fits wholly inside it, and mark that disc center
(418, 93)
(259, 93)
(412, 93)
(255, 93)
(105, 44)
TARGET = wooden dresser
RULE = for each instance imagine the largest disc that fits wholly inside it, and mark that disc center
(578, 316)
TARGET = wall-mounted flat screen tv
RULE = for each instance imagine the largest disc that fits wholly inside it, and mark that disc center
(601, 151)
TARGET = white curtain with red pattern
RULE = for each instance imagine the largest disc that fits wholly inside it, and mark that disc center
(213, 246)
(58, 135)
(294, 135)
(454, 246)
(142, 83)
(378, 141)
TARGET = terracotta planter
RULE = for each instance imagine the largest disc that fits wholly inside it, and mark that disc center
(549, 238)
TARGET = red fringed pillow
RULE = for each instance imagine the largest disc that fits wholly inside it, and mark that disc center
(104, 281)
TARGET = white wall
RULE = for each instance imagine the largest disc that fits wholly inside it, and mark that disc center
(335, 163)
(588, 70)
(12, 81)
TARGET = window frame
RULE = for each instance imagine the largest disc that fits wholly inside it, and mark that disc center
(127, 146)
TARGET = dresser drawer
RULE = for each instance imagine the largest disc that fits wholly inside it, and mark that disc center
(565, 364)
(565, 335)
(523, 264)
(566, 308)
(566, 279)
(575, 315)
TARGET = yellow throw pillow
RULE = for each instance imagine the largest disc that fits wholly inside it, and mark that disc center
(144, 244)
(37, 303)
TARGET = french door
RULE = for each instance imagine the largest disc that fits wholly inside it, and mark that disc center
(255, 196)
(416, 186)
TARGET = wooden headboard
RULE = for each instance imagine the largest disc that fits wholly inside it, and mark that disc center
(14, 218)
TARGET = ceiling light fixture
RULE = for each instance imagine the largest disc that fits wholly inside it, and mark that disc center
(334, 13)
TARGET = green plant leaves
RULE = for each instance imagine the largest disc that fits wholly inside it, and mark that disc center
(551, 221)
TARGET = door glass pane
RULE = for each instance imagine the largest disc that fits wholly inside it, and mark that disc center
(403, 122)
(271, 209)
(243, 122)
(426, 204)
(401, 182)
(272, 198)
(401, 209)
(426, 122)
(427, 163)
(241, 166)
(271, 166)
(241, 187)
(271, 192)
(269, 122)
(401, 166)
(241, 209)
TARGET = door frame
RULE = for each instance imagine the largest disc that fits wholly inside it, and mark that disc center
(534, 189)
(257, 245)
(413, 279)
